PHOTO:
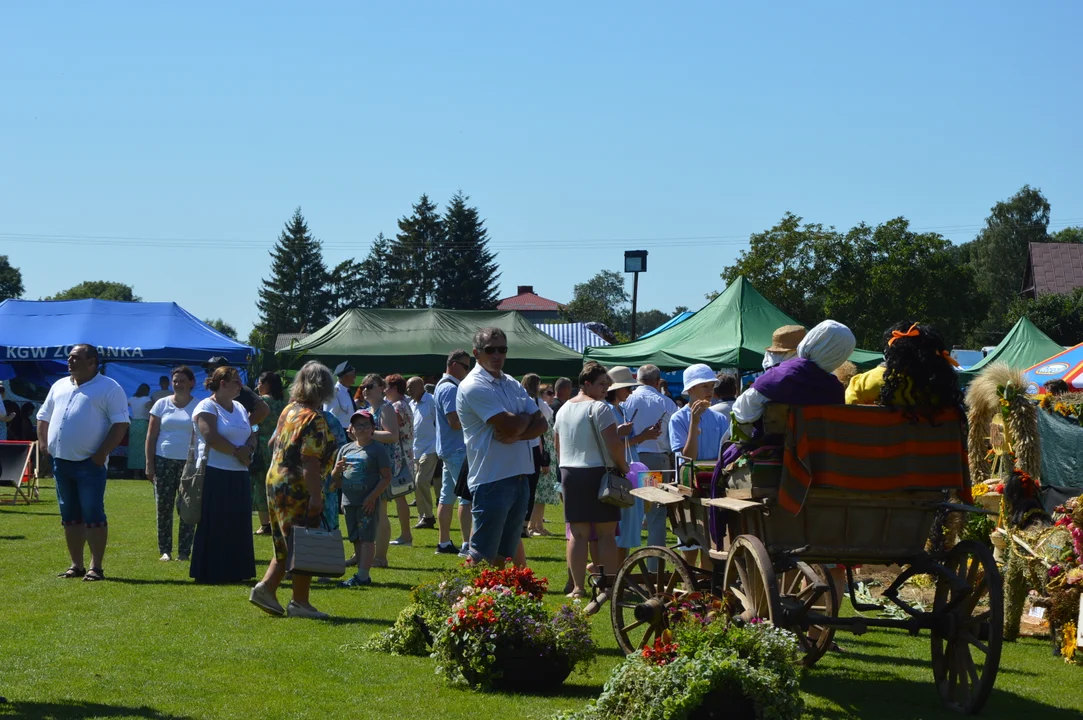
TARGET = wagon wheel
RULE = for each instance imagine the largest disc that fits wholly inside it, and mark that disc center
(750, 579)
(797, 586)
(642, 598)
(966, 646)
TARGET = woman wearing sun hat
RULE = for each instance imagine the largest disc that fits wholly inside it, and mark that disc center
(784, 342)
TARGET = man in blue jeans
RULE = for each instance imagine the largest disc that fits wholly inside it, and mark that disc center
(452, 451)
(84, 417)
(499, 419)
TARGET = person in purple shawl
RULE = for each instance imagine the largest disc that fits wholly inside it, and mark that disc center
(803, 380)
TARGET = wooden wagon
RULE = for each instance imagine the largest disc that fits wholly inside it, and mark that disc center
(856, 486)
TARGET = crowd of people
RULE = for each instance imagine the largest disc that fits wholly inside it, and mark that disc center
(478, 442)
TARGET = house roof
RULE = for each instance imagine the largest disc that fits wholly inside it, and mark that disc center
(1053, 269)
(527, 300)
(283, 340)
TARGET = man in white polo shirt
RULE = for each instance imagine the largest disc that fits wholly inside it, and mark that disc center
(341, 403)
(84, 417)
(423, 408)
(499, 419)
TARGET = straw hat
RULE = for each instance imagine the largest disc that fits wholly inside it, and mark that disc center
(786, 339)
(622, 377)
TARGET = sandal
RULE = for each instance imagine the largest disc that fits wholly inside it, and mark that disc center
(93, 575)
(72, 572)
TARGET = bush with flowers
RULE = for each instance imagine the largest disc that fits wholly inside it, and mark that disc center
(487, 627)
(1064, 580)
(707, 665)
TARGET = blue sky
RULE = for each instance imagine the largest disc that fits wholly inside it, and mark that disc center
(165, 146)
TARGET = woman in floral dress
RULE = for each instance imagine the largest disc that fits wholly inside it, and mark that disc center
(395, 392)
(304, 452)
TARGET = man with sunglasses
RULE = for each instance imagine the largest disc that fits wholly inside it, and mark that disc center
(452, 451)
(499, 419)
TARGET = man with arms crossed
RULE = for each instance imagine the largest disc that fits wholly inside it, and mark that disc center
(84, 417)
(499, 419)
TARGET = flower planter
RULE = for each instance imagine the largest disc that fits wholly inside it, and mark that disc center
(524, 671)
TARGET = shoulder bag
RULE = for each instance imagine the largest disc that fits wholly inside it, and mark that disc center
(190, 491)
(316, 551)
(614, 489)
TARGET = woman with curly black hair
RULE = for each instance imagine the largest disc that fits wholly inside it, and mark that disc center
(918, 372)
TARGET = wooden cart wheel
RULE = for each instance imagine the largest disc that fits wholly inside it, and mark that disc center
(750, 579)
(966, 648)
(796, 587)
(641, 598)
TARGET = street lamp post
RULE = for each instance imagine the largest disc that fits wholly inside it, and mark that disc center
(635, 262)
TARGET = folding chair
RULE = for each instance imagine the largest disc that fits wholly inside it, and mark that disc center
(15, 470)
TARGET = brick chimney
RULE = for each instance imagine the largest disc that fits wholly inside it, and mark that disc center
(523, 289)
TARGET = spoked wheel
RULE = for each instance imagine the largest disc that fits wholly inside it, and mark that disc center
(803, 585)
(750, 579)
(641, 598)
(966, 647)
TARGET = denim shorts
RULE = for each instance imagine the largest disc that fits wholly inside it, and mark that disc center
(360, 525)
(80, 492)
(453, 463)
(498, 511)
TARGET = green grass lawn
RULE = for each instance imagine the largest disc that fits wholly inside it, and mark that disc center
(150, 644)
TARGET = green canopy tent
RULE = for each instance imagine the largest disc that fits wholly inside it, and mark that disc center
(416, 342)
(732, 331)
(1024, 346)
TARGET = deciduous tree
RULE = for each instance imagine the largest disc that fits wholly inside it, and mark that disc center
(97, 290)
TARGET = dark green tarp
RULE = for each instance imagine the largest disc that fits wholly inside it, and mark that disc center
(1024, 346)
(732, 331)
(416, 342)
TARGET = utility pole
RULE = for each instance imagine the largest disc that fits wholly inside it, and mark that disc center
(635, 262)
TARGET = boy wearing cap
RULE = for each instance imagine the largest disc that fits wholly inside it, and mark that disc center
(363, 471)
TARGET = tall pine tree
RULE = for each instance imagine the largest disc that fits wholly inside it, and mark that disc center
(377, 285)
(295, 298)
(345, 287)
(467, 272)
(414, 252)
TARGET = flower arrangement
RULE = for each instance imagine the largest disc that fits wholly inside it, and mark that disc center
(1064, 579)
(707, 665)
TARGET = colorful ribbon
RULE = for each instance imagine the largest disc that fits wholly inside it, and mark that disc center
(912, 332)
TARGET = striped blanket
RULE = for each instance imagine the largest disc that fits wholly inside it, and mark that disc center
(871, 449)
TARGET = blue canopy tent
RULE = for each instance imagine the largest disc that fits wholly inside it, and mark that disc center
(675, 320)
(137, 341)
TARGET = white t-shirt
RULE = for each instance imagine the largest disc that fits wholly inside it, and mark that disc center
(234, 427)
(578, 441)
(481, 397)
(80, 416)
(175, 431)
(140, 407)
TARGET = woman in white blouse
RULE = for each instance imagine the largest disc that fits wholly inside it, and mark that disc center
(223, 550)
(169, 436)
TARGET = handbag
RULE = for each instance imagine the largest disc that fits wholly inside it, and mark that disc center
(190, 491)
(402, 484)
(614, 489)
(316, 551)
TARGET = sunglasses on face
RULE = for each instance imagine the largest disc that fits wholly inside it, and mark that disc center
(465, 366)
(495, 349)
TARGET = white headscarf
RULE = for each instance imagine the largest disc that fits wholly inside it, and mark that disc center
(829, 345)
(770, 359)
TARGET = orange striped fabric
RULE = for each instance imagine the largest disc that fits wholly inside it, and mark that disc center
(907, 454)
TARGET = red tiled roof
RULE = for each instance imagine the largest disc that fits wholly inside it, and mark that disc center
(528, 301)
(1053, 268)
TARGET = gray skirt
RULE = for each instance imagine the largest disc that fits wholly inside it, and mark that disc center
(581, 504)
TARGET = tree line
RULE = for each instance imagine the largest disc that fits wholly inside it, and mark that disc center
(872, 277)
(868, 277)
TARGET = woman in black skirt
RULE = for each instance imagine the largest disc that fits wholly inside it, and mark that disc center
(223, 546)
(586, 442)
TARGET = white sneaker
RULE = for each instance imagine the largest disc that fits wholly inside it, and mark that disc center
(262, 598)
(295, 610)
(165, 557)
(464, 551)
(402, 543)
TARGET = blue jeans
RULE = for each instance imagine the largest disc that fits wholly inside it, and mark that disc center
(498, 511)
(453, 464)
(80, 492)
